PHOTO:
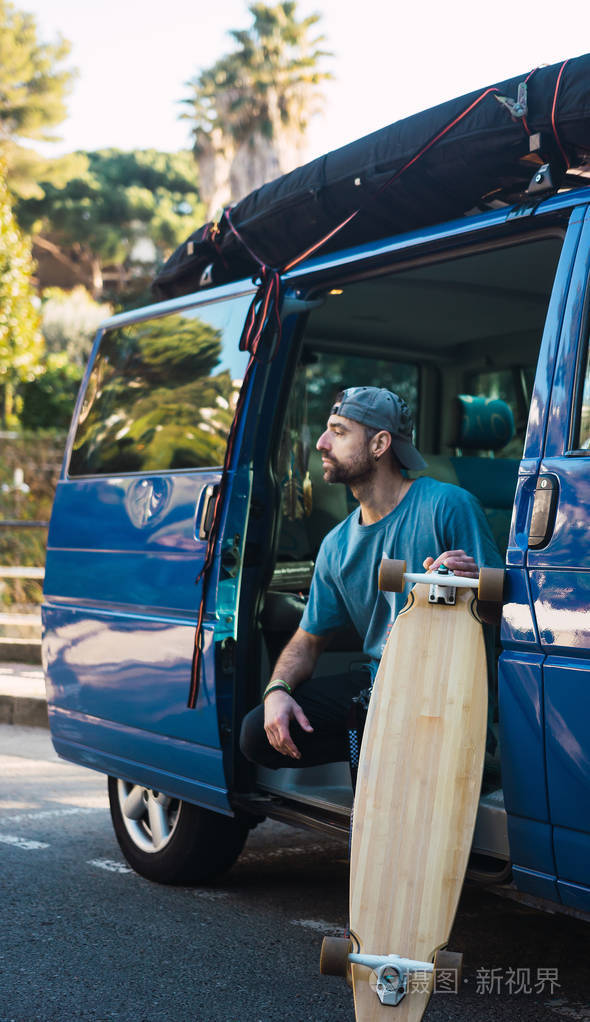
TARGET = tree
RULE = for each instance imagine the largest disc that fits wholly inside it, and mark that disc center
(69, 321)
(21, 343)
(33, 90)
(124, 210)
(251, 109)
(47, 401)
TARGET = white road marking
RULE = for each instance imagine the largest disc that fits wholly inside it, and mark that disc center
(21, 842)
(322, 926)
(45, 814)
(110, 865)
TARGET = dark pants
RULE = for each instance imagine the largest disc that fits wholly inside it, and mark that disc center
(326, 703)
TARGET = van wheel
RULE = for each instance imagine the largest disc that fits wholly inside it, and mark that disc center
(171, 841)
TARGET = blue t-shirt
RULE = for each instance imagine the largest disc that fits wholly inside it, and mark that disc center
(431, 517)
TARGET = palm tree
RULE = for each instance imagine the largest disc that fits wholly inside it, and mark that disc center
(251, 109)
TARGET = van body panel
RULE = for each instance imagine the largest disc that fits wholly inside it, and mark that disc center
(531, 843)
(540, 885)
(574, 896)
(567, 713)
(128, 669)
(571, 854)
(518, 628)
(561, 601)
(153, 514)
(182, 769)
(522, 735)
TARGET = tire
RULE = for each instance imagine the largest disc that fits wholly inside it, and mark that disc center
(170, 841)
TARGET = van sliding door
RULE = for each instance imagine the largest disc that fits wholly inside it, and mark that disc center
(127, 541)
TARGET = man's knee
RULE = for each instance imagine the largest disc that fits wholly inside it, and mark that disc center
(254, 744)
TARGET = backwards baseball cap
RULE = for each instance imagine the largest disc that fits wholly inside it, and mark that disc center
(382, 409)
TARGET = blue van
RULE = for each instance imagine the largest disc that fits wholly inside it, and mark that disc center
(494, 305)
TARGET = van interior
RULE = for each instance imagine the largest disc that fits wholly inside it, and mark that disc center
(445, 335)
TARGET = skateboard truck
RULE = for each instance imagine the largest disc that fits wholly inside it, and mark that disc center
(442, 593)
(392, 972)
(488, 587)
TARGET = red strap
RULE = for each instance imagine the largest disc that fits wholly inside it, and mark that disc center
(390, 181)
(553, 114)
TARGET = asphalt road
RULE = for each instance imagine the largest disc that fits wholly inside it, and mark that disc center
(84, 938)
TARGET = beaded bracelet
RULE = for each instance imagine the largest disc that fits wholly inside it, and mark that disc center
(276, 685)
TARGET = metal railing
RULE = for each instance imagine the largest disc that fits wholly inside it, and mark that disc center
(17, 619)
(7, 571)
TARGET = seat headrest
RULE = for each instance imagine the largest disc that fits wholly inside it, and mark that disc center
(483, 423)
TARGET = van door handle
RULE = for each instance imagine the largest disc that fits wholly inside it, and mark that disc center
(207, 510)
(544, 511)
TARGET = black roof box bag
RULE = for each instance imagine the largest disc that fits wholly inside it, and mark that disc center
(425, 169)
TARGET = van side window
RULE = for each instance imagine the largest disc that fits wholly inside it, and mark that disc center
(515, 387)
(583, 438)
(309, 505)
(162, 393)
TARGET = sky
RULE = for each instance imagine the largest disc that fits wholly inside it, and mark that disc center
(391, 58)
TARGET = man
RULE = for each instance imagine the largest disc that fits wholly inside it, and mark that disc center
(303, 721)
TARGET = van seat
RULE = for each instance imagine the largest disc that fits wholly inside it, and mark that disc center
(486, 425)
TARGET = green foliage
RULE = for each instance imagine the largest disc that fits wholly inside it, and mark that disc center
(21, 343)
(121, 208)
(69, 321)
(47, 402)
(33, 90)
(269, 81)
(32, 85)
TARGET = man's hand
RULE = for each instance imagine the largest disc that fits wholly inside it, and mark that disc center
(456, 561)
(279, 709)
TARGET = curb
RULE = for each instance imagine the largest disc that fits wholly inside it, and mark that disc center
(22, 651)
(24, 711)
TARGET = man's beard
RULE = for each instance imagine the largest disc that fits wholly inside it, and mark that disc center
(358, 471)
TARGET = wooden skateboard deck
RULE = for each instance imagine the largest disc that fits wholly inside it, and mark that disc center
(417, 794)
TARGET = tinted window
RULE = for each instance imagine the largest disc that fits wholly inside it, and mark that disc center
(326, 373)
(515, 387)
(319, 377)
(162, 393)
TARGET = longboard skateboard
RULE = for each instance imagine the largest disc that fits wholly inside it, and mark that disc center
(417, 793)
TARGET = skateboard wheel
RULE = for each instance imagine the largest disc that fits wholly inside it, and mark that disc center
(391, 575)
(491, 585)
(449, 961)
(334, 956)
